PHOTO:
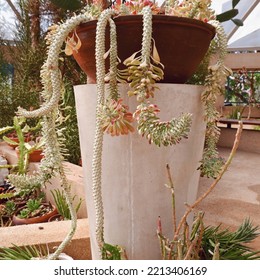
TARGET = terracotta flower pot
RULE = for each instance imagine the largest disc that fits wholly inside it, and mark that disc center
(181, 43)
(16, 139)
(39, 219)
(35, 156)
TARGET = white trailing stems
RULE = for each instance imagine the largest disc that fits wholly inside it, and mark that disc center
(112, 75)
(98, 140)
(52, 89)
(211, 163)
(112, 115)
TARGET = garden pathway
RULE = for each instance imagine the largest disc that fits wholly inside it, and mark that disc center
(237, 195)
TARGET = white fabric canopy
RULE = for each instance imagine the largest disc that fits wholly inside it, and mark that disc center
(246, 37)
(250, 42)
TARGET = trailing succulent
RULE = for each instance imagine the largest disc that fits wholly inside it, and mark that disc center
(143, 70)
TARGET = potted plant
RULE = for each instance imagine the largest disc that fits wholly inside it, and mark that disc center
(28, 144)
(143, 70)
(33, 150)
(62, 206)
(23, 205)
(13, 140)
(35, 211)
(7, 211)
(20, 131)
(171, 21)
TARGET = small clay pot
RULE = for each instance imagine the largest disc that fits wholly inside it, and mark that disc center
(34, 220)
(14, 138)
(35, 156)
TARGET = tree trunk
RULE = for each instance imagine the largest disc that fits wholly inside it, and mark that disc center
(34, 13)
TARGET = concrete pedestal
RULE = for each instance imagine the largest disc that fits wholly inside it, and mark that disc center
(134, 172)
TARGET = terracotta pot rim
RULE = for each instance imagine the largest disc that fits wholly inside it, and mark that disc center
(34, 156)
(181, 42)
(37, 150)
(175, 20)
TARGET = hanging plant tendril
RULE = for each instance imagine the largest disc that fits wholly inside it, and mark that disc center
(211, 162)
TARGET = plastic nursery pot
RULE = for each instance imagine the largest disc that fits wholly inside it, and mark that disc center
(181, 42)
(34, 220)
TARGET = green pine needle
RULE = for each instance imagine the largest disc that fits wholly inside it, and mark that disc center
(232, 245)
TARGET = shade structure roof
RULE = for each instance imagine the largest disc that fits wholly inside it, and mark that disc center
(250, 42)
(246, 37)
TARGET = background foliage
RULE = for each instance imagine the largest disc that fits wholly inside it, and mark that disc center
(243, 87)
(26, 54)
